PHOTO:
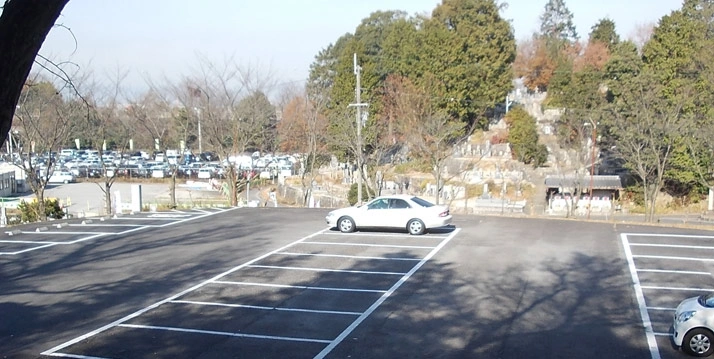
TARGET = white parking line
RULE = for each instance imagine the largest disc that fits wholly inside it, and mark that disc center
(106, 225)
(60, 232)
(326, 270)
(266, 308)
(667, 235)
(370, 234)
(147, 218)
(49, 244)
(676, 258)
(134, 228)
(678, 288)
(240, 335)
(384, 297)
(369, 245)
(330, 289)
(662, 309)
(85, 239)
(196, 217)
(27, 250)
(672, 271)
(346, 256)
(669, 246)
(646, 322)
(168, 215)
(30, 242)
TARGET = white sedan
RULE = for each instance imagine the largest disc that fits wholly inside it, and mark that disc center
(413, 214)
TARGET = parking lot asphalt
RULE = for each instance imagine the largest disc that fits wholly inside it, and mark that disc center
(274, 282)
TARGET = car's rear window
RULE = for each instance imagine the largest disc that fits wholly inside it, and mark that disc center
(422, 202)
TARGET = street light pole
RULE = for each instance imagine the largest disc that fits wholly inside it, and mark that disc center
(358, 104)
(196, 91)
(592, 164)
(200, 144)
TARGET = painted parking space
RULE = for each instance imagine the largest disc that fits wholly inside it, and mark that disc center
(301, 300)
(665, 269)
(15, 242)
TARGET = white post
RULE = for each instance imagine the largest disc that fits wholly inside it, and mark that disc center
(247, 183)
(117, 202)
(136, 198)
(710, 206)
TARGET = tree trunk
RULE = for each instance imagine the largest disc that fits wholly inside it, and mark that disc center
(232, 179)
(41, 211)
(437, 177)
(108, 198)
(24, 25)
(172, 189)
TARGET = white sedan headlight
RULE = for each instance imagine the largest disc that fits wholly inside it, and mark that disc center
(685, 316)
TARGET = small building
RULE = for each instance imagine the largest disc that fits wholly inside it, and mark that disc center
(8, 186)
(561, 189)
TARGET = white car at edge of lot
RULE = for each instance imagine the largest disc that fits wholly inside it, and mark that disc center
(62, 177)
(693, 327)
(410, 213)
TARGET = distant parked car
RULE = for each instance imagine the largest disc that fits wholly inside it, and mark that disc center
(62, 177)
(410, 213)
(206, 172)
(158, 171)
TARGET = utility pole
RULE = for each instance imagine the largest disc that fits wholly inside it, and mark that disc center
(592, 164)
(358, 104)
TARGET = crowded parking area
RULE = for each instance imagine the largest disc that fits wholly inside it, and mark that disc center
(89, 163)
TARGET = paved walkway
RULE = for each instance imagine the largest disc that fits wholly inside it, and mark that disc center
(87, 198)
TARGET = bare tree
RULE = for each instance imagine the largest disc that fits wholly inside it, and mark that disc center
(427, 130)
(646, 129)
(235, 117)
(575, 161)
(112, 130)
(303, 130)
(152, 119)
(45, 118)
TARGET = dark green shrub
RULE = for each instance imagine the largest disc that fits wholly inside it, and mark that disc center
(29, 210)
(352, 194)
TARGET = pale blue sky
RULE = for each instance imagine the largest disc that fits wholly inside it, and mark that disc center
(158, 38)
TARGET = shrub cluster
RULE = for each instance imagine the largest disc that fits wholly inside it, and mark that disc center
(29, 211)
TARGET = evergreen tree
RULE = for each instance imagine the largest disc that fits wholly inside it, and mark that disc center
(471, 48)
(556, 22)
(604, 31)
(523, 137)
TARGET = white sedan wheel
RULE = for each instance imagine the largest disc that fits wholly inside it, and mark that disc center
(415, 227)
(346, 225)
